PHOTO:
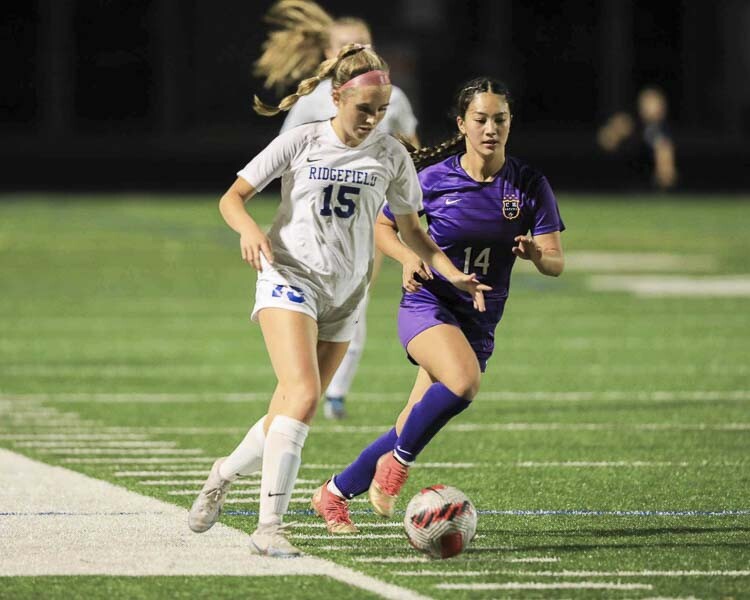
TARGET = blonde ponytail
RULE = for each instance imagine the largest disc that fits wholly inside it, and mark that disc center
(295, 50)
(352, 60)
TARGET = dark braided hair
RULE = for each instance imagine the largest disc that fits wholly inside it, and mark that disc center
(429, 155)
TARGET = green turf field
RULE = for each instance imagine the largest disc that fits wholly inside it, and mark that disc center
(608, 451)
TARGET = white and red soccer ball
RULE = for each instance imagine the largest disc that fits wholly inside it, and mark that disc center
(440, 521)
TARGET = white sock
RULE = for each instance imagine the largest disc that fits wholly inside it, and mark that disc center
(247, 458)
(344, 375)
(406, 463)
(282, 455)
(334, 490)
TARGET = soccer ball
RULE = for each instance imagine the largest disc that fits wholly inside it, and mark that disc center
(440, 521)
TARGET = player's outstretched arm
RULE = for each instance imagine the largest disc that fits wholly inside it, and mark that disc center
(417, 239)
(253, 242)
(388, 242)
(544, 250)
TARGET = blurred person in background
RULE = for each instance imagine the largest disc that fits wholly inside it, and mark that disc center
(307, 34)
(314, 266)
(484, 209)
(646, 145)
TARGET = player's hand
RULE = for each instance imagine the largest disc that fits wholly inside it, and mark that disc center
(412, 268)
(470, 283)
(253, 243)
(527, 248)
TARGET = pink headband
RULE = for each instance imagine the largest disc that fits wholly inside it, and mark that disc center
(369, 78)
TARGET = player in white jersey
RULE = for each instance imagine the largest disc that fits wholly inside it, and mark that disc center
(308, 33)
(313, 266)
(399, 119)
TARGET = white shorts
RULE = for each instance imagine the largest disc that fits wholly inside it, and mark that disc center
(335, 323)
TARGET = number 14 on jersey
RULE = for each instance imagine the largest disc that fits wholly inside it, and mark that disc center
(481, 260)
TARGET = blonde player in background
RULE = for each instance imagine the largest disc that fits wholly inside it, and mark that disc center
(306, 35)
(313, 269)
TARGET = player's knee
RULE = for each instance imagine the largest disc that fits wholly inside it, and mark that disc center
(465, 385)
(303, 394)
(465, 382)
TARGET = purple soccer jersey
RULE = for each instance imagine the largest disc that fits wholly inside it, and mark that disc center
(475, 224)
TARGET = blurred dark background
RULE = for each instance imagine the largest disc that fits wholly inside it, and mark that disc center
(128, 94)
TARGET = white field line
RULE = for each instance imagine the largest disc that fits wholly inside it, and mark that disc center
(606, 464)
(193, 372)
(172, 473)
(321, 525)
(637, 262)
(72, 436)
(565, 464)
(180, 462)
(426, 465)
(240, 493)
(94, 444)
(239, 483)
(515, 585)
(483, 573)
(175, 482)
(391, 559)
(471, 427)
(422, 559)
(121, 451)
(297, 500)
(41, 420)
(355, 536)
(239, 498)
(44, 503)
(673, 285)
(533, 559)
(498, 396)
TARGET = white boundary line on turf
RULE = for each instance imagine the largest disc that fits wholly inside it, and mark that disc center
(213, 371)
(447, 465)
(172, 473)
(468, 428)
(45, 502)
(94, 444)
(354, 536)
(446, 573)
(73, 436)
(516, 585)
(121, 451)
(295, 500)
(498, 396)
(321, 525)
(118, 460)
(422, 559)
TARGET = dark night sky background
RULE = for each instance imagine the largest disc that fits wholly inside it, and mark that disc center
(157, 94)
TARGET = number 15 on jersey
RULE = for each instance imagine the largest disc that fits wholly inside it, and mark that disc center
(344, 206)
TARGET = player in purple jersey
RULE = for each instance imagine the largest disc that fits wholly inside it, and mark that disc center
(483, 209)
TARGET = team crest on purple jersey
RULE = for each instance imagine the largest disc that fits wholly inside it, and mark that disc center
(511, 207)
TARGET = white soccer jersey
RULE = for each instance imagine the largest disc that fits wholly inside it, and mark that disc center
(322, 234)
(319, 106)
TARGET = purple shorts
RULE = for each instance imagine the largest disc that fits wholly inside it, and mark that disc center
(421, 310)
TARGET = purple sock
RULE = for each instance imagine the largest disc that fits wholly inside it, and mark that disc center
(438, 406)
(356, 478)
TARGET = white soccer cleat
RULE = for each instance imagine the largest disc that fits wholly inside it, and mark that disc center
(207, 506)
(271, 540)
(333, 408)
